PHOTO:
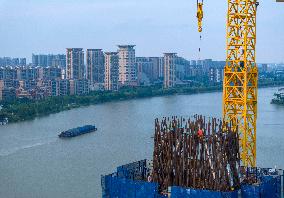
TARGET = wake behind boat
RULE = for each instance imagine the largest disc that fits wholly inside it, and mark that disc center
(77, 131)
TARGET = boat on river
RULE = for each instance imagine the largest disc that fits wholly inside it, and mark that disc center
(77, 131)
(279, 97)
(3, 121)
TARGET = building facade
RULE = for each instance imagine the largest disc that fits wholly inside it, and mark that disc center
(39, 60)
(216, 74)
(111, 71)
(49, 73)
(79, 87)
(95, 66)
(169, 70)
(127, 65)
(23, 61)
(12, 62)
(74, 63)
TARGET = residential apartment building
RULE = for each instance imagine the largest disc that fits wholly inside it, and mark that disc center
(144, 70)
(216, 74)
(49, 73)
(23, 61)
(79, 87)
(111, 71)
(161, 64)
(147, 70)
(74, 63)
(56, 60)
(181, 65)
(127, 66)
(95, 62)
(7, 90)
(49, 60)
(27, 73)
(8, 73)
(12, 62)
(170, 69)
(39, 60)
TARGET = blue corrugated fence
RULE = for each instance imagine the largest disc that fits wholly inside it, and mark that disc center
(116, 187)
(269, 187)
(130, 181)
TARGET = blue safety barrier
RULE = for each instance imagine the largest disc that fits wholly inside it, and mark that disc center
(269, 187)
(115, 187)
(130, 180)
(135, 171)
(178, 192)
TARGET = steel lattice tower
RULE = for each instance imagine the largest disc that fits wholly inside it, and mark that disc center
(240, 76)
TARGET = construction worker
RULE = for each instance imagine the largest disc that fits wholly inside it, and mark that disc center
(200, 133)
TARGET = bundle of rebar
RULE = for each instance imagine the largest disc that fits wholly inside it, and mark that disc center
(195, 153)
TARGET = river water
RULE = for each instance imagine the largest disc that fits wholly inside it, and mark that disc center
(34, 162)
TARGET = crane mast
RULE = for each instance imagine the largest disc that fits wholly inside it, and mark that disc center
(240, 76)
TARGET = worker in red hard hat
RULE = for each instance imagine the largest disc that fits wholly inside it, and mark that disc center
(200, 133)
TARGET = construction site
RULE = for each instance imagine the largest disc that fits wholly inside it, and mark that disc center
(201, 156)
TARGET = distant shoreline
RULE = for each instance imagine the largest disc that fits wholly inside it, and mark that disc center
(25, 109)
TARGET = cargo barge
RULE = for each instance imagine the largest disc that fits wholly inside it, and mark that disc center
(279, 97)
(77, 131)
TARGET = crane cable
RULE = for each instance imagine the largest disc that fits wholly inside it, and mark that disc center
(199, 49)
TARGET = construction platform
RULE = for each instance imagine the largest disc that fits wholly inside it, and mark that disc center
(132, 181)
(193, 157)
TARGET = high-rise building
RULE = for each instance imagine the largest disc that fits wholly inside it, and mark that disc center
(79, 87)
(12, 62)
(216, 74)
(144, 70)
(95, 66)
(127, 66)
(27, 73)
(111, 71)
(49, 73)
(193, 62)
(155, 68)
(8, 73)
(161, 68)
(74, 63)
(7, 61)
(181, 66)
(58, 60)
(169, 70)
(199, 63)
(50, 60)
(15, 62)
(39, 60)
(264, 68)
(23, 61)
(147, 69)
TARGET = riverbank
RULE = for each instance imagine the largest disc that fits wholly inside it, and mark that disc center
(25, 109)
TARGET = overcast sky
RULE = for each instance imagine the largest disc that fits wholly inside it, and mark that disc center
(154, 26)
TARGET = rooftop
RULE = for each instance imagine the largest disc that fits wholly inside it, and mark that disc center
(126, 46)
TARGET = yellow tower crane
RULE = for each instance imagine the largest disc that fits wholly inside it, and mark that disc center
(240, 74)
